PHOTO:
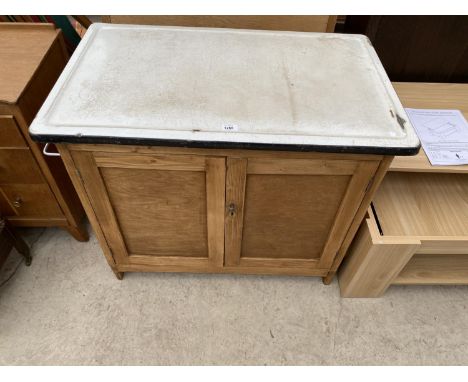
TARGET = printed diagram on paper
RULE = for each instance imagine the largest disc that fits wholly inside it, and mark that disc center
(443, 135)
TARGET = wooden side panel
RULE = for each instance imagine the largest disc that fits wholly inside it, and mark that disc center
(350, 204)
(10, 135)
(85, 200)
(370, 266)
(96, 192)
(19, 166)
(43, 79)
(24, 46)
(360, 214)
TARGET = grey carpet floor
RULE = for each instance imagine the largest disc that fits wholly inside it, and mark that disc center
(67, 308)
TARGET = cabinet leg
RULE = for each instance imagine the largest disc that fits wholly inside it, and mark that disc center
(16, 241)
(328, 278)
(117, 274)
(78, 232)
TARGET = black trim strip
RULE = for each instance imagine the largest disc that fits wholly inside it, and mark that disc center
(400, 151)
(376, 219)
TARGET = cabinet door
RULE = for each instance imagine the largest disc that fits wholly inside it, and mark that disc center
(158, 210)
(291, 213)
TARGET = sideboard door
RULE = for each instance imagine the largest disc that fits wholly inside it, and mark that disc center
(286, 214)
(157, 211)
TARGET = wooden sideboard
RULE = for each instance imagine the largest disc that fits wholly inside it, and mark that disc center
(417, 229)
(34, 190)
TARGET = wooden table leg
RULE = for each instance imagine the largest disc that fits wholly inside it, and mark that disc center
(16, 241)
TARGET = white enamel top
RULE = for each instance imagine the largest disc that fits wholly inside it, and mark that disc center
(192, 84)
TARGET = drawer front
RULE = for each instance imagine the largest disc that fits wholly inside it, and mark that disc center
(10, 134)
(19, 166)
(6, 208)
(30, 200)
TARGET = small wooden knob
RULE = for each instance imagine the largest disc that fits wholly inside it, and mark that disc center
(18, 202)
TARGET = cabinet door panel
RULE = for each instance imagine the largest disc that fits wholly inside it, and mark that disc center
(290, 216)
(158, 209)
(291, 213)
(160, 213)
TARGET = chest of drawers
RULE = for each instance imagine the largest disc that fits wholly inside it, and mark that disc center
(34, 190)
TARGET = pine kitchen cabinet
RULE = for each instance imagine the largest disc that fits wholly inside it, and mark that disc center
(224, 151)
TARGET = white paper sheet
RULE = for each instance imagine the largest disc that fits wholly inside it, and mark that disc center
(443, 135)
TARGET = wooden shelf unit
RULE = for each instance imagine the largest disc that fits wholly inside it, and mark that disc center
(417, 229)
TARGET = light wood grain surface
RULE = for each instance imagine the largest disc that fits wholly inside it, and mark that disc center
(10, 133)
(430, 96)
(417, 204)
(435, 269)
(23, 47)
(433, 95)
(159, 212)
(290, 216)
(373, 265)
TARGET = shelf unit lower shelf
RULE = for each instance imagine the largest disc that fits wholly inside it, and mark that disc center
(416, 233)
(438, 269)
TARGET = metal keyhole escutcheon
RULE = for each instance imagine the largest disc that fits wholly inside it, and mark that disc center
(232, 209)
